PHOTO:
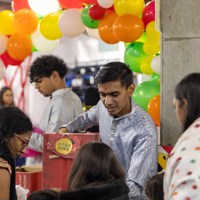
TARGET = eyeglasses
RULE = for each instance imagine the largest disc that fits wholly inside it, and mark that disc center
(23, 140)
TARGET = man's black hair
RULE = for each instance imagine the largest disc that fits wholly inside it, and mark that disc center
(114, 71)
(45, 65)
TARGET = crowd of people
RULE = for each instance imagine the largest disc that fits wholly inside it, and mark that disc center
(123, 165)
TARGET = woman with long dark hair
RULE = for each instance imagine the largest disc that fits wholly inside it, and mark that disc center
(15, 132)
(182, 177)
(96, 174)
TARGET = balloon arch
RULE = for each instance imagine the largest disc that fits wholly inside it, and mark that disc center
(37, 25)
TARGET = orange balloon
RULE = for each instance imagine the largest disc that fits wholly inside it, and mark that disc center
(105, 28)
(19, 46)
(128, 28)
(25, 21)
(154, 109)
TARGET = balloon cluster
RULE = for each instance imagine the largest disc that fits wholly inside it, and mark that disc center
(37, 25)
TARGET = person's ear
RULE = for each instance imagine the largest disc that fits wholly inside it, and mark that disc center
(184, 103)
(131, 89)
(55, 75)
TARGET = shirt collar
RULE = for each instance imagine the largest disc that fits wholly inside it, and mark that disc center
(60, 91)
(133, 106)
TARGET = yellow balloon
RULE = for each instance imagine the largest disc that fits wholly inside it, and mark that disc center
(49, 27)
(150, 27)
(145, 65)
(151, 47)
(152, 33)
(134, 7)
(6, 22)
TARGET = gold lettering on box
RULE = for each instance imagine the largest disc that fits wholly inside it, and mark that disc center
(63, 146)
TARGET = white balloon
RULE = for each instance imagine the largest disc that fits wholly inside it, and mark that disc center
(94, 33)
(2, 69)
(3, 42)
(155, 64)
(44, 7)
(70, 23)
(105, 3)
(41, 43)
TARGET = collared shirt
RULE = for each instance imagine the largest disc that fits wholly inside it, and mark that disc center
(63, 107)
(133, 138)
(182, 175)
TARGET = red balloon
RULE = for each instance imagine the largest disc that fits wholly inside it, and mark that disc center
(19, 4)
(70, 3)
(96, 12)
(8, 60)
(111, 8)
(148, 14)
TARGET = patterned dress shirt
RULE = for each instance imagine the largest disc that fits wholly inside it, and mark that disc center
(133, 138)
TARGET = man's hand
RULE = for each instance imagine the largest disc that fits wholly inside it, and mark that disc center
(62, 130)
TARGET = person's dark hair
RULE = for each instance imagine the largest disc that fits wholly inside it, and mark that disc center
(91, 96)
(154, 187)
(2, 91)
(189, 89)
(13, 120)
(45, 65)
(43, 195)
(95, 163)
(114, 71)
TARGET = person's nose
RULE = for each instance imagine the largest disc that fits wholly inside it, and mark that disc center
(23, 150)
(108, 100)
(36, 85)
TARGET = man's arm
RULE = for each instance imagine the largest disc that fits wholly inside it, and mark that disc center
(36, 142)
(143, 163)
(82, 122)
(62, 112)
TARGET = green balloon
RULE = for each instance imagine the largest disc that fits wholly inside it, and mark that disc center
(87, 20)
(34, 49)
(134, 55)
(144, 92)
(155, 78)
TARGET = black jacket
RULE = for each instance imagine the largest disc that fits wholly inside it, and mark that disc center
(115, 190)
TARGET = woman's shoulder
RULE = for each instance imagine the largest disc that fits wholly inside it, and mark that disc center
(4, 164)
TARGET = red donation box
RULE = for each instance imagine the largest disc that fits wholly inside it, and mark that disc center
(59, 151)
